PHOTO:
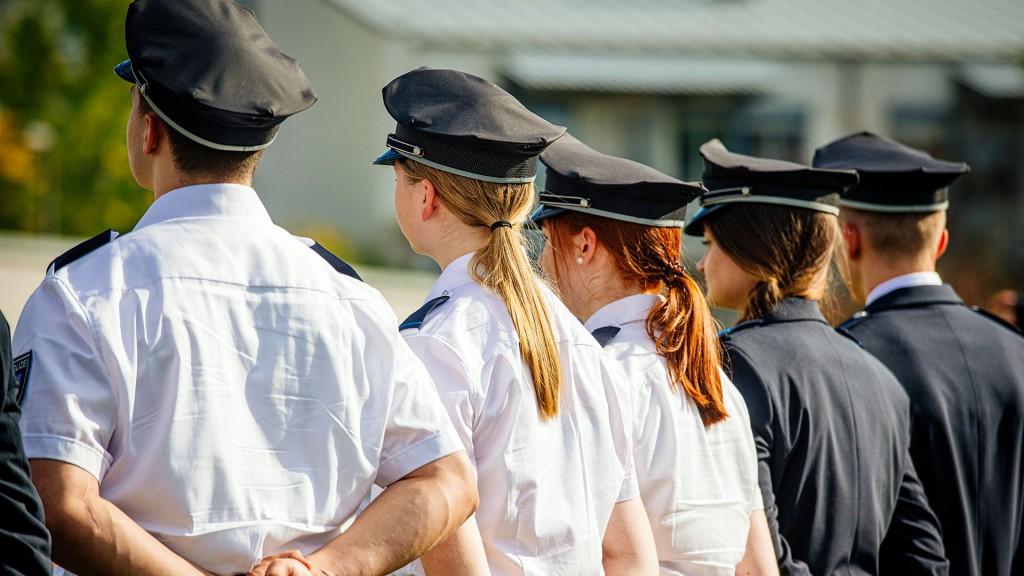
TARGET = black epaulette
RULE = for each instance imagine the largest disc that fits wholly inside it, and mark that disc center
(101, 239)
(416, 318)
(741, 326)
(335, 262)
(605, 334)
(996, 319)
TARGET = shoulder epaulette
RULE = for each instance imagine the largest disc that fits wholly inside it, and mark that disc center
(416, 318)
(101, 239)
(996, 319)
(335, 262)
(605, 334)
(841, 329)
(741, 326)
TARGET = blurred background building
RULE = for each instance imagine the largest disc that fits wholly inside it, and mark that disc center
(645, 79)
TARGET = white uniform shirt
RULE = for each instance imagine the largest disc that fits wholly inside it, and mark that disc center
(232, 393)
(699, 485)
(547, 488)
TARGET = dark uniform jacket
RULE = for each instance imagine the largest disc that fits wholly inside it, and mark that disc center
(964, 374)
(831, 426)
(24, 541)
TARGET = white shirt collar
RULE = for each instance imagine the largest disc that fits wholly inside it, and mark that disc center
(633, 308)
(454, 275)
(904, 281)
(225, 200)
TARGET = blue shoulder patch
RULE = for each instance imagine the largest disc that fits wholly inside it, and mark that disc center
(101, 239)
(335, 262)
(22, 370)
(741, 326)
(416, 318)
(605, 334)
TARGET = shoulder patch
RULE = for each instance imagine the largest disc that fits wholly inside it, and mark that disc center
(22, 370)
(416, 318)
(605, 334)
(741, 326)
(82, 249)
(845, 332)
(996, 319)
(335, 262)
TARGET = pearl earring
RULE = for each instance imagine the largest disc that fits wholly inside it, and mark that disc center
(580, 260)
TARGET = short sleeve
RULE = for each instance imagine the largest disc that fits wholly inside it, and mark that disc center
(454, 386)
(418, 430)
(69, 411)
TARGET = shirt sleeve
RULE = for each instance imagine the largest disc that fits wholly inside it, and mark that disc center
(621, 413)
(418, 430)
(69, 411)
(461, 399)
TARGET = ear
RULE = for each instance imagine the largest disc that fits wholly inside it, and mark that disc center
(585, 244)
(429, 200)
(852, 241)
(154, 135)
(943, 243)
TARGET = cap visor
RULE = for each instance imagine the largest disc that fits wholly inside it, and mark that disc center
(124, 71)
(695, 227)
(543, 213)
(388, 158)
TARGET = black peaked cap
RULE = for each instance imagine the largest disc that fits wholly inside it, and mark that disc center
(463, 124)
(736, 178)
(581, 179)
(893, 177)
(209, 70)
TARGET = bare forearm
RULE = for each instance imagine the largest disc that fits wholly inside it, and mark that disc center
(407, 519)
(628, 547)
(91, 535)
(461, 554)
(759, 558)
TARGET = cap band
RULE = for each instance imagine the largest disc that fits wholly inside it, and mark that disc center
(894, 208)
(582, 205)
(499, 169)
(809, 204)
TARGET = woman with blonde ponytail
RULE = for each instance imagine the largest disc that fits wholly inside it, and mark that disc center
(613, 230)
(830, 422)
(542, 412)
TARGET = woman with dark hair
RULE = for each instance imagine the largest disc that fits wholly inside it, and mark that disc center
(542, 412)
(613, 230)
(831, 424)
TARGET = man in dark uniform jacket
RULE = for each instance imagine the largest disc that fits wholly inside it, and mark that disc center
(24, 540)
(830, 422)
(963, 371)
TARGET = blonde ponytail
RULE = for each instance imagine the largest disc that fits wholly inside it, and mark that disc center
(502, 267)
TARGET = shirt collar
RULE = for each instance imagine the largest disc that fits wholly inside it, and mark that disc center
(904, 281)
(454, 275)
(224, 200)
(633, 308)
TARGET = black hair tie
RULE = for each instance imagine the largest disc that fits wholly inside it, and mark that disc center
(500, 224)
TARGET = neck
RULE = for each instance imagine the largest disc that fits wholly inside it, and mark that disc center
(167, 178)
(603, 286)
(455, 241)
(874, 271)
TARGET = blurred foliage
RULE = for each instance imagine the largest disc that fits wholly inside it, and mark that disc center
(63, 162)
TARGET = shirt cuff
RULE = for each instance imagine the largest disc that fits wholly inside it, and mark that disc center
(434, 447)
(43, 446)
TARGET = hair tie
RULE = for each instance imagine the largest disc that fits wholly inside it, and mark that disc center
(500, 224)
(673, 271)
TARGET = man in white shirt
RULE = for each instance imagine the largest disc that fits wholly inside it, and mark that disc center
(208, 394)
(963, 371)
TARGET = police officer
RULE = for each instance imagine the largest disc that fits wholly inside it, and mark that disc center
(543, 413)
(963, 371)
(23, 537)
(208, 392)
(614, 236)
(830, 423)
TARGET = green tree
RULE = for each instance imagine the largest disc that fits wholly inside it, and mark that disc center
(61, 103)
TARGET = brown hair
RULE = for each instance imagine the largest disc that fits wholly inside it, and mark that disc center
(787, 249)
(192, 157)
(681, 326)
(899, 235)
(503, 268)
